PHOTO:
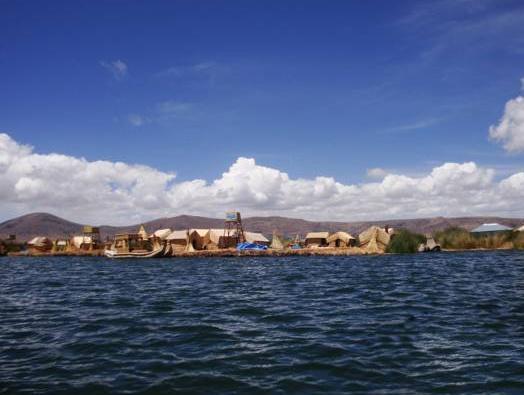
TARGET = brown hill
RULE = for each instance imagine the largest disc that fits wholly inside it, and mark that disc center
(35, 224)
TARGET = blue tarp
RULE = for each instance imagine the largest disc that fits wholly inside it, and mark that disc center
(250, 246)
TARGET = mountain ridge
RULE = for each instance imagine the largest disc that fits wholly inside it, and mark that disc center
(30, 225)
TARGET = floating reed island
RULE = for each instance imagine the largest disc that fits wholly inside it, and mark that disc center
(233, 240)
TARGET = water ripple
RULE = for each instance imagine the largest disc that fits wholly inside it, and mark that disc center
(428, 323)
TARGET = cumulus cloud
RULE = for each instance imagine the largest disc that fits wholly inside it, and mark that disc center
(121, 193)
(116, 67)
(510, 129)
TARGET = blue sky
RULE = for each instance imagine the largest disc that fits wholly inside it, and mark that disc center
(310, 88)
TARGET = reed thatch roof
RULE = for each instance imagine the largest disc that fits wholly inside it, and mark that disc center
(162, 234)
(374, 240)
(344, 236)
(317, 235)
(252, 237)
(177, 235)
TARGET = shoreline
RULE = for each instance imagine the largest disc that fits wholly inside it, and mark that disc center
(327, 251)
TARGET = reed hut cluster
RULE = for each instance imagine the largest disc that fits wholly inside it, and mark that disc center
(180, 242)
(85, 243)
(183, 241)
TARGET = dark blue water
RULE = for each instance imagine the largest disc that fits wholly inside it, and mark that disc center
(443, 323)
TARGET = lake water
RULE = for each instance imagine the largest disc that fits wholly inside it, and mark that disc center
(426, 323)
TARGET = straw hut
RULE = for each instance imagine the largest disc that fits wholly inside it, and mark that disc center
(341, 239)
(220, 238)
(317, 239)
(40, 244)
(199, 238)
(276, 243)
(258, 238)
(375, 240)
(158, 237)
(178, 240)
(61, 245)
(82, 242)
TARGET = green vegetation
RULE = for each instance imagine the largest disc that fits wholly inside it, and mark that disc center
(405, 241)
(461, 239)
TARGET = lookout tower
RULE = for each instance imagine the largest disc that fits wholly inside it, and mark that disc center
(233, 228)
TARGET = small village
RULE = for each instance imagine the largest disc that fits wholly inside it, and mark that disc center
(231, 240)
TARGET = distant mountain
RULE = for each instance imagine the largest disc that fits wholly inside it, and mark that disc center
(40, 224)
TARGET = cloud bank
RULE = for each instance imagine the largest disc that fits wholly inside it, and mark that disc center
(120, 193)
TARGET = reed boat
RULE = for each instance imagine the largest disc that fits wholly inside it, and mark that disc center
(134, 254)
(132, 245)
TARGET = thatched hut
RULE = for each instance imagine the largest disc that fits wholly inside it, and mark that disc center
(221, 238)
(258, 238)
(374, 240)
(317, 239)
(83, 242)
(158, 237)
(61, 245)
(341, 239)
(199, 238)
(178, 240)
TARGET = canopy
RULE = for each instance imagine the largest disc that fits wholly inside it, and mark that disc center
(494, 227)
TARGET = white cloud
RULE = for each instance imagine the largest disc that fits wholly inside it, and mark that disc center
(120, 193)
(418, 125)
(377, 173)
(116, 67)
(173, 108)
(201, 68)
(510, 129)
(136, 120)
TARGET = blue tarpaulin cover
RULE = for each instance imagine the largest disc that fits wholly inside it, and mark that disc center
(250, 246)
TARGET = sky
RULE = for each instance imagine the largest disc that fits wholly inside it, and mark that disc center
(114, 112)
